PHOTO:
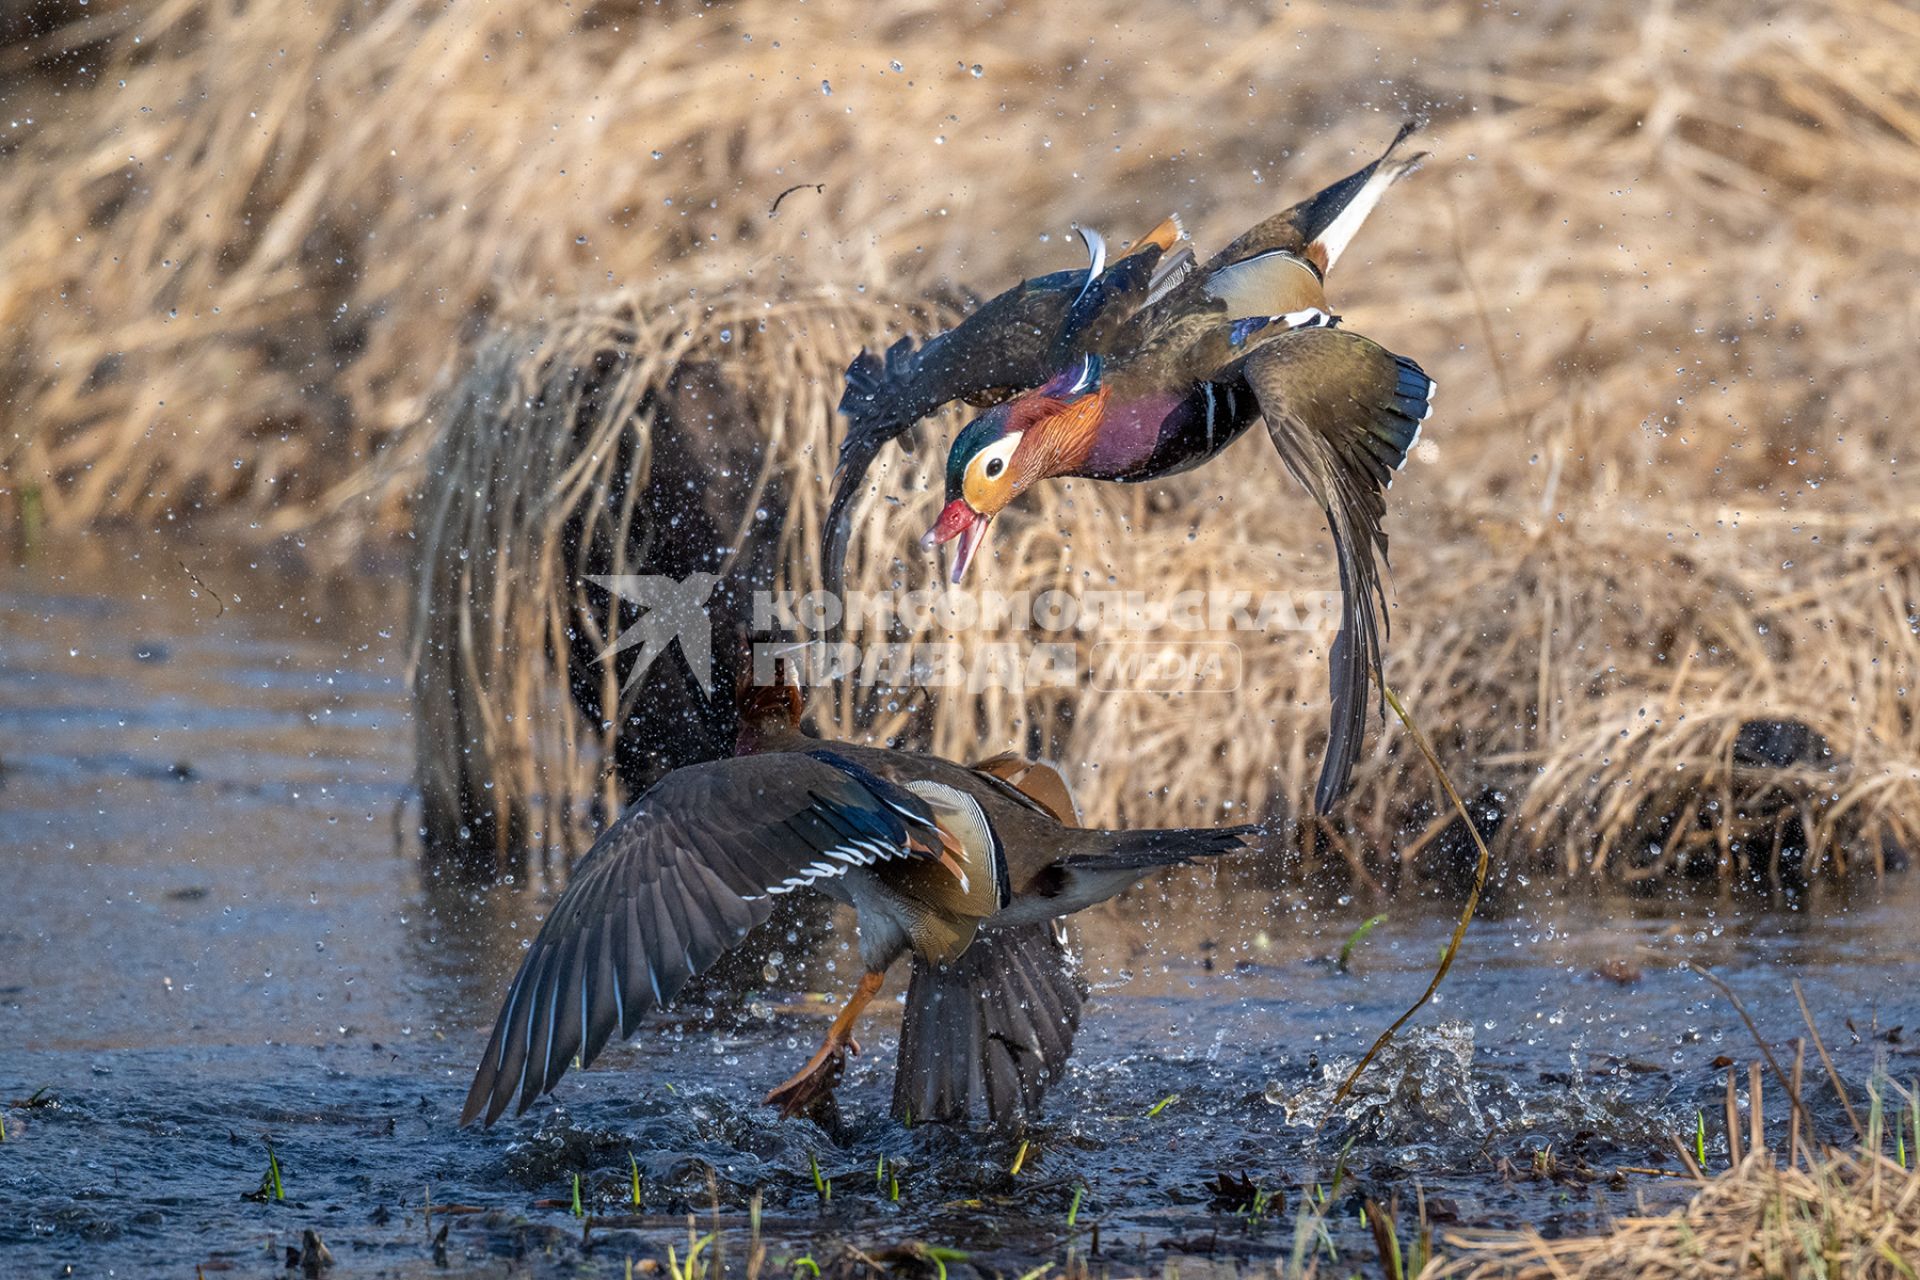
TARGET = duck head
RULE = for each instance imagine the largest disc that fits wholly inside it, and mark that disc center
(1004, 451)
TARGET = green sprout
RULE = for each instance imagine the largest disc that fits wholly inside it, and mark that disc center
(578, 1212)
(269, 1183)
(1073, 1210)
(634, 1166)
(1354, 939)
(941, 1256)
(822, 1185)
(1162, 1105)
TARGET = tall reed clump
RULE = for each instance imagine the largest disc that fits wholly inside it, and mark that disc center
(634, 436)
(1654, 597)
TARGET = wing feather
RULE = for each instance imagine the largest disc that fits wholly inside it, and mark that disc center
(683, 877)
(1343, 411)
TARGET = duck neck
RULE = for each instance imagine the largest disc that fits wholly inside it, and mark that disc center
(1066, 440)
(769, 720)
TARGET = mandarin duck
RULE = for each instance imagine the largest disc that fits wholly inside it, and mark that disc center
(968, 869)
(1012, 343)
(1247, 335)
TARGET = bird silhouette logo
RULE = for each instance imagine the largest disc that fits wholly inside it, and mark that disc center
(671, 610)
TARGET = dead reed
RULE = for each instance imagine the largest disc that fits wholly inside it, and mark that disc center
(1844, 1214)
(1656, 586)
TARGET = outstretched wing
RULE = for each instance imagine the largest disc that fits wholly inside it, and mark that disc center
(1013, 343)
(684, 875)
(1344, 412)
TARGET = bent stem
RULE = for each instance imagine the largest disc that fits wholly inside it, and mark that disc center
(1466, 915)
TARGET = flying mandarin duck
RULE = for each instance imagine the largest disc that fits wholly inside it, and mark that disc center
(1196, 359)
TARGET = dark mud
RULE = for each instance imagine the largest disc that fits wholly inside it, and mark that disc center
(216, 935)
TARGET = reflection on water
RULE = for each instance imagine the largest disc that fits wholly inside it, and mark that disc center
(217, 932)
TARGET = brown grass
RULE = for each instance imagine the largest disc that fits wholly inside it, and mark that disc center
(1660, 264)
(1844, 1215)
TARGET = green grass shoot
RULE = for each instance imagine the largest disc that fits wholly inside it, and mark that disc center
(1340, 1170)
(272, 1184)
(578, 1212)
(1073, 1210)
(1019, 1160)
(1396, 1263)
(634, 1166)
(687, 1270)
(1355, 938)
(1700, 1139)
(822, 1185)
(940, 1256)
(1162, 1105)
(806, 1263)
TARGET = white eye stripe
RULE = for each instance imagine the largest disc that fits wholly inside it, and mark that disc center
(991, 462)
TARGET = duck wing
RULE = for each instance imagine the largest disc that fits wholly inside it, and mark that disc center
(1344, 411)
(681, 878)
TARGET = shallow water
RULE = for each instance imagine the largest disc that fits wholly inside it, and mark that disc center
(216, 933)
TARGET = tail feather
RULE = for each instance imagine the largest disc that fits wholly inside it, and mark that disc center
(1332, 218)
(1321, 227)
(1144, 850)
(990, 1032)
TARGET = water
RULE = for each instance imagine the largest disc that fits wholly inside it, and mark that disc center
(217, 934)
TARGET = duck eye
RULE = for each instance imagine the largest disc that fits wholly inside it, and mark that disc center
(994, 467)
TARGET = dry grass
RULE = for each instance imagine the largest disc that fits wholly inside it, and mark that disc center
(543, 430)
(1659, 263)
(1848, 1215)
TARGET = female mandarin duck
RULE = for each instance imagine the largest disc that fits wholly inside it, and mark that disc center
(1246, 336)
(968, 869)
